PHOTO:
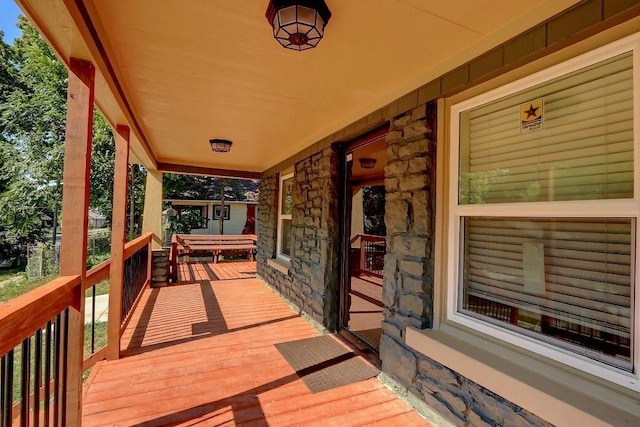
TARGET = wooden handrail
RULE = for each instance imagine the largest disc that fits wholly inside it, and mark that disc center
(372, 238)
(135, 245)
(97, 274)
(23, 315)
(102, 270)
(367, 238)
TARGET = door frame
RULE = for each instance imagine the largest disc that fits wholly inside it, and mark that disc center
(345, 199)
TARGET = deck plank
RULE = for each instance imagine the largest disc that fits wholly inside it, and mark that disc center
(203, 354)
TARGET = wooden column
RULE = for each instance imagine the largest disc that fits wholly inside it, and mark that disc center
(75, 217)
(118, 239)
(152, 215)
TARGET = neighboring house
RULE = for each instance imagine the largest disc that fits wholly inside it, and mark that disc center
(236, 215)
(96, 219)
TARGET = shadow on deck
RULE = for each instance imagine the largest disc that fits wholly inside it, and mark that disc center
(203, 353)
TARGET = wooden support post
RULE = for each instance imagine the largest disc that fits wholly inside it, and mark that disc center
(75, 218)
(150, 263)
(118, 239)
(152, 218)
(174, 259)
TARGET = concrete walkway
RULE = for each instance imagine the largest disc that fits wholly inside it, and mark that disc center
(102, 309)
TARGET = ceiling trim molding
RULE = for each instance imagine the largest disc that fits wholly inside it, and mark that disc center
(201, 170)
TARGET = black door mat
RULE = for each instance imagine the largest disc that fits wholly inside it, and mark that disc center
(323, 363)
(371, 336)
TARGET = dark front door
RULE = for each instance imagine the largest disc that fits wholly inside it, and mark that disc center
(363, 239)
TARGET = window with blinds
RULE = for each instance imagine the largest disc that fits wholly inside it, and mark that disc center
(532, 263)
(582, 148)
(285, 211)
(566, 279)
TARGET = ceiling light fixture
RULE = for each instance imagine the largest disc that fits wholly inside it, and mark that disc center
(298, 24)
(220, 145)
(367, 162)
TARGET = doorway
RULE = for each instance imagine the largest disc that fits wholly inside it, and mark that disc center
(363, 238)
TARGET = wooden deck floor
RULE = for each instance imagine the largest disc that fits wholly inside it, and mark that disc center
(203, 354)
(195, 271)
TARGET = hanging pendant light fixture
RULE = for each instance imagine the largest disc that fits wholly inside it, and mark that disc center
(298, 24)
(220, 145)
(367, 162)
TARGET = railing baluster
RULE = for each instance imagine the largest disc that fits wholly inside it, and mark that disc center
(7, 389)
(47, 374)
(2, 387)
(135, 276)
(26, 379)
(56, 371)
(37, 379)
(93, 319)
(65, 362)
(3, 372)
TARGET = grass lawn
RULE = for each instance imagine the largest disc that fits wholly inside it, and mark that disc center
(19, 284)
(9, 273)
(100, 341)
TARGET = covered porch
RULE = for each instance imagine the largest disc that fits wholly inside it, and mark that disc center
(171, 81)
(204, 351)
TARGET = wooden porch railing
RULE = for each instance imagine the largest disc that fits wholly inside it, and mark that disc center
(34, 339)
(372, 251)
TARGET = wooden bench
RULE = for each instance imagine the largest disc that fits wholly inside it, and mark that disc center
(186, 244)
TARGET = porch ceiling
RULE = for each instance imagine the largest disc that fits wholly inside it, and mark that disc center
(184, 72)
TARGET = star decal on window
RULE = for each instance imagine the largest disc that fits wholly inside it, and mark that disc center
(531, 112)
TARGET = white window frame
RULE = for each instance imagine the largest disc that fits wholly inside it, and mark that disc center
(217, 210)
(625, 208)
(281, 216)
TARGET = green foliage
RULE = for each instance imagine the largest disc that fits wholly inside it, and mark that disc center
(33, 92)
(196, 187)
(137, 181)
(187, 221)
(102, 164)
(474, 186)
(32, 125)
(373, 207)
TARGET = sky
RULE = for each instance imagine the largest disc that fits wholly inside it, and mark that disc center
(9, 12)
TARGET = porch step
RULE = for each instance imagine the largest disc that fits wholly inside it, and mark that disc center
(160, 267)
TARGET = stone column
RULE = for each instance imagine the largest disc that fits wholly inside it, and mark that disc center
(314, 261)
(408, 271)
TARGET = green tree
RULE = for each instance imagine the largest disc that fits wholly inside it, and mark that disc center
(33, 99)
(102, 164)
(137, 181)
(33, 126)
(196, 187)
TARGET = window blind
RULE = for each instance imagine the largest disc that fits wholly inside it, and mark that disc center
(583, 149)
(585, 264)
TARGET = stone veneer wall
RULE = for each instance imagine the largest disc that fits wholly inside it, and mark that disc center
(408, 281)
(313, 272)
